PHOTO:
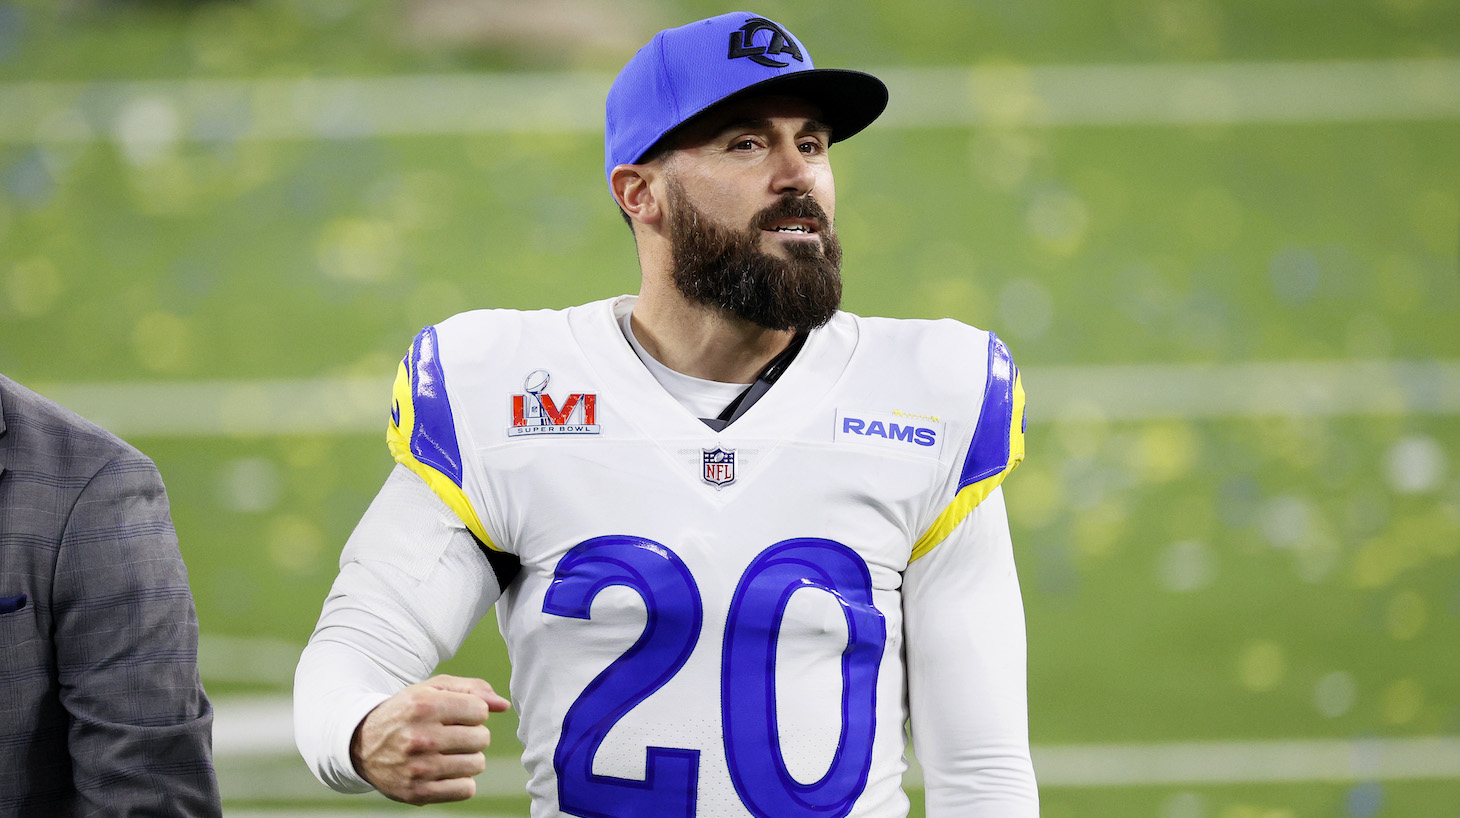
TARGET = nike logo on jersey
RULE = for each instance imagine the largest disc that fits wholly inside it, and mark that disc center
(911, 434)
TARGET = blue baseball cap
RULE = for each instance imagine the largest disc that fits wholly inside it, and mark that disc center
(685, 72)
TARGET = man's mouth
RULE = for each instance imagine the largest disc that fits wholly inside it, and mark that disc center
(796, 227)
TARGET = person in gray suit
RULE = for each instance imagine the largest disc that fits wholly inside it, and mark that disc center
(102, 711)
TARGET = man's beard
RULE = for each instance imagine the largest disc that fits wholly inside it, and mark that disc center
(725, 268)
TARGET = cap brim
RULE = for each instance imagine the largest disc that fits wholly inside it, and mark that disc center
(849, 101)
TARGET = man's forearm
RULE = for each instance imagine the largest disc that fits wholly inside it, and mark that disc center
(335, 687)
(412, 585)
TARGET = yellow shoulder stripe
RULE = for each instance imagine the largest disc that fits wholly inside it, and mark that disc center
(403, 431)
(970, 495)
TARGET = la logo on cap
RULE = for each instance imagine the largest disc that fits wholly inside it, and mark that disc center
(742, 43)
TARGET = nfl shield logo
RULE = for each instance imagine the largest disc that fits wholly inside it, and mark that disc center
(719, 467)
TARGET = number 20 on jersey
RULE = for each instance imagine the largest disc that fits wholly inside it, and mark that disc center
(747, 678)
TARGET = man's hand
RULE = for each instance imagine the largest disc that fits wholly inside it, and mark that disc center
(423, 745)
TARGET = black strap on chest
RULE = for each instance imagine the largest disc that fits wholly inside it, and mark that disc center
(768, 376)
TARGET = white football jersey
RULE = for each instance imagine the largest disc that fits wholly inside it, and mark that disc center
(707, 624)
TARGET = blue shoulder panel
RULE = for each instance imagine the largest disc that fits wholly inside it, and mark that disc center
(990, 451)
(997, 447)
(433, 434)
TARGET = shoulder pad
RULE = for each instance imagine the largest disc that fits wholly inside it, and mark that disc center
(997, 446)
(421, 424)
(422, 431)
(998, 440)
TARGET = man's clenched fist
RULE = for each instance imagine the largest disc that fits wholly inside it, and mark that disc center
(423, 745)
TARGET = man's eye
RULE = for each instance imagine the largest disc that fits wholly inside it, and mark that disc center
(744, 144)
(812, 146)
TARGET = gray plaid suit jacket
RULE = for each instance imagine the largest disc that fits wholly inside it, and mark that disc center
(102, 711)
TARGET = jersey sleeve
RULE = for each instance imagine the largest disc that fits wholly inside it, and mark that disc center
(412, 585)
(963, 623)
(996, 448)
(422, 433)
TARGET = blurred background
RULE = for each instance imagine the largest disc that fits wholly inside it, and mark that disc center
(1221, 237)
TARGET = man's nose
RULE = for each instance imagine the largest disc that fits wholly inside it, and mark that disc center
(793, 173)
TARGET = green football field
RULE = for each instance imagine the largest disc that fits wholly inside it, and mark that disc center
(1221, 238)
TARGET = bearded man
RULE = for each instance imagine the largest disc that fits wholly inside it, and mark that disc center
(734, 537)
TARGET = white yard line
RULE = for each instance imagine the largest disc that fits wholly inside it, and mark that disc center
(1248, 762)
(1175, 94)
(259, 728)
(1116, 392)
(252, 726)
(419, 105)
(230, 408)
(1245, 390)
(253, 735)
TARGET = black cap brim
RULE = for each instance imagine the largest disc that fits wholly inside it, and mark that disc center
(849, 101)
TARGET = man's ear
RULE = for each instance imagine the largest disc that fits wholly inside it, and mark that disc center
(634, 194)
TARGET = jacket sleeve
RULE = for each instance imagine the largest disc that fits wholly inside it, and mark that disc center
(126, 641)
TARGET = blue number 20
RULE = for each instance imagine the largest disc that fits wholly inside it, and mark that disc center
(748, 695)
(673, 625)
